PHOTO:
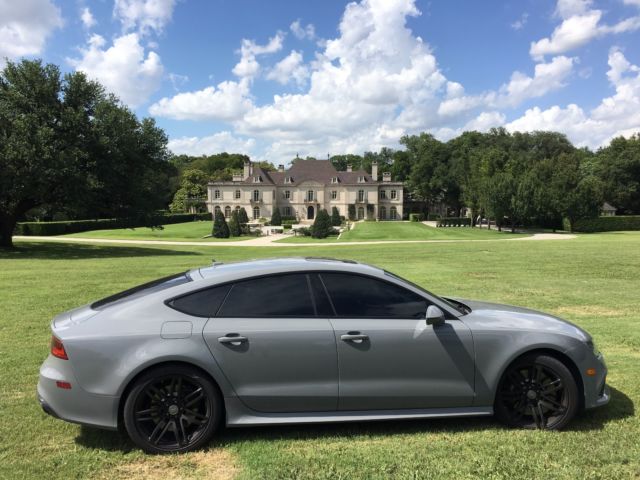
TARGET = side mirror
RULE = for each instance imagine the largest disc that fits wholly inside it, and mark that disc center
(435, 316)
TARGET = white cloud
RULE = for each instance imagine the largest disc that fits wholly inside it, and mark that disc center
(579, 26)
(302, 32)
(218, 142)
(616, 115)
(177, 80)
(144, 15)
(87, 18)
(122, 68)
(290, 68)
(632, 2)
(25, 26)
(248, 66)
(521, 22)
(229, 101)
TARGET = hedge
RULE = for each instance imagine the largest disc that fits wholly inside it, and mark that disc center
(606, 224)
(454, 222)
(416, 217)
(75, 226)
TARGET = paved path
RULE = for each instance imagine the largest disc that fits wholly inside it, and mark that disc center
(270, 241)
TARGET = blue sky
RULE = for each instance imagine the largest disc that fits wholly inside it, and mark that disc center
(275, 78)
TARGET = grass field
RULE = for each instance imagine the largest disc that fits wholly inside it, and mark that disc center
(593, 280)
(190, 231)
(372, 231)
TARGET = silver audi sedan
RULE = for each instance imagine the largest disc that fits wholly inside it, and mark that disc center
(308, 340)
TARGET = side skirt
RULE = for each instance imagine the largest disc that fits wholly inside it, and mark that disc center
(239, 416)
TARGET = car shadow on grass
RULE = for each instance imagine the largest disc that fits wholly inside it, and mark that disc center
(620, 407)
(77, 251)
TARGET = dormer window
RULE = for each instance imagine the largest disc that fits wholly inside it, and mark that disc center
(288, 179)
(361, 180)
(257, 179)
(334, 179)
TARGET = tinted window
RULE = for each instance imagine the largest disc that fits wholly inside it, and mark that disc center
(274, 296)
(144, 289)
(358, 296)
(204, 303)
(323, 305)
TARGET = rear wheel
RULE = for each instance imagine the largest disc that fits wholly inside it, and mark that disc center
(537, 391)
(172, 409)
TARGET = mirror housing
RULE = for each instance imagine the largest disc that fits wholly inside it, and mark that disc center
(435, 316)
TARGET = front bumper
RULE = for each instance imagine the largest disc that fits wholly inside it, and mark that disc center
(597, 391)
(75, 404)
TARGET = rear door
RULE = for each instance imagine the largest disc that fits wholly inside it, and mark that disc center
(273, 348)
(388, 357)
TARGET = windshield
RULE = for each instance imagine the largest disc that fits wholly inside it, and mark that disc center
(144, 289)
(457, 306)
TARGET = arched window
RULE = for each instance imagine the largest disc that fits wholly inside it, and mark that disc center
(216, 194)
(256, 213)
(360, 213)
(227, 211)
(216, 210)
(393, 213)
(238, 208)
(256, 195)
(383, 213)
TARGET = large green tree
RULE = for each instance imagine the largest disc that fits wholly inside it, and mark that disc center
(192, 191)
(618, 165)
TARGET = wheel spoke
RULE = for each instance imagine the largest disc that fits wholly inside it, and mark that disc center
(145, 415)
(552, 387)
(538, 373)
(543, 420)
(193, 397)
(181, 433)
(159, 431)
(196, 417)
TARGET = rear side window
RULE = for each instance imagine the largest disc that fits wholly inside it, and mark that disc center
(204, 303)
(273, 296)
(141, 290)
(360, 296)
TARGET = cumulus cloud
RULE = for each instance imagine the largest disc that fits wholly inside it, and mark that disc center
(87, 18)
(25, 27)
(229, 101)
(616, 115)
(291, 68)
(144, 15)
(218, 142)
(580, 24)
(248, 66)
(122, 68)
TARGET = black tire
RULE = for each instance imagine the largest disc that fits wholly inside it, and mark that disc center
(537, 391)
(172, 409)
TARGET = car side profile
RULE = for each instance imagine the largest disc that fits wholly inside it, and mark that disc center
(308, 340)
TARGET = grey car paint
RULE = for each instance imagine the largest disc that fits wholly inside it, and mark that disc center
(292, 371)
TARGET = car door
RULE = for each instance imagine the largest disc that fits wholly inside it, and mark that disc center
(388, 357)
(278, 355)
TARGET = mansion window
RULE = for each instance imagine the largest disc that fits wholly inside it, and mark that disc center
(256, 195)
(361, 180)
(227, 211)
(394, 194)
(334, 194)
(288, 179)
(257, 179)
(360, 213)
(383, 213)
(393, 213)
(237, 194)
(216, 210)
(310, 195)
(334, 179)
(286, 211)
(287, 194)
(256, 213)
(216, 194)
(361, 195)
(383, 194)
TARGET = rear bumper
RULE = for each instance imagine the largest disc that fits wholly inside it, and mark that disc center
(74, 404)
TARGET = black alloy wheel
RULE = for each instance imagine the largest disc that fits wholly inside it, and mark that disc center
(537, 392)
(172, 409)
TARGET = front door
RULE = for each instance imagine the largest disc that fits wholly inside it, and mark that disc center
(388, 357)
(275, 352)
(310, 213)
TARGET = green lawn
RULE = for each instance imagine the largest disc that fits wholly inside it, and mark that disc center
(372, 231)
(593, 280)
(190, 231)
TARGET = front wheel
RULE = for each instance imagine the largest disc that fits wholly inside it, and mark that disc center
(537, 391)
(172, 409)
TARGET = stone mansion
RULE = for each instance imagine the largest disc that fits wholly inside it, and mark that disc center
(306, 188)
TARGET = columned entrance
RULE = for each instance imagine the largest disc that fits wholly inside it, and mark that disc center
(310, 213)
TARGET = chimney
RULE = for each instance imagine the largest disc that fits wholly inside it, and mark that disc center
(386, 177)
(374, 170)
(349, 168)
(281, 168)
(247, 169)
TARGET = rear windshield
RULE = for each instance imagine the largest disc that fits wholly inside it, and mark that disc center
(144, 289)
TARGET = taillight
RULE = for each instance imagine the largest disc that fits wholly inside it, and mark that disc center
(57, 348)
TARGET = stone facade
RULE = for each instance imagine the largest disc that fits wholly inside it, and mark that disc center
(306, 188)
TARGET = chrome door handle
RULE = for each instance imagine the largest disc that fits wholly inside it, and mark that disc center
(233, 339)
(355, 337)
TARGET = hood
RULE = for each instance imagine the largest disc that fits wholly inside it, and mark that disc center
(485, 315)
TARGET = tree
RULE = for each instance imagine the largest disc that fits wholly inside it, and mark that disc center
(243, 219)
(192, 191)
(276, 219)
(618, 166)
(351, 209)
(220, 227)
(234, 225)
(322, 225)
(335, 217)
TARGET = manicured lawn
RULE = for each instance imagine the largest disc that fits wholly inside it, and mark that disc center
(593, 281)
(190, 231)
(372, 231)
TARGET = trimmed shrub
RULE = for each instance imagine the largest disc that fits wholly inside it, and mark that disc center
(286, 226)
(322, 225)
(416, 217)
(351, 211)
(76, 226)
(288, 219)
(220, 227)
(454, 222)
(234, 225)
(276, 219)
(335, 217)
(606, 224)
